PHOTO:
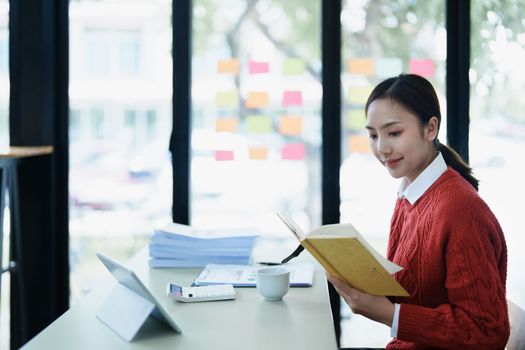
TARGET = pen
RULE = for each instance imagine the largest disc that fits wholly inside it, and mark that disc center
(269, 263)
(295, 253)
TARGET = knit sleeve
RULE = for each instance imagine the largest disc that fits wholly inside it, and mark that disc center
(475, 316)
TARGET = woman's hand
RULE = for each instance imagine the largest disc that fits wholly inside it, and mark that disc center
(377, 308)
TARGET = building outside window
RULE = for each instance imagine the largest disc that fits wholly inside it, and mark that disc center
(120, 94)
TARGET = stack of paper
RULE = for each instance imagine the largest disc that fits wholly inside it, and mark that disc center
(179, 245)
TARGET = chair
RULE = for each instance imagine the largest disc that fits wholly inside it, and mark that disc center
(517, 327)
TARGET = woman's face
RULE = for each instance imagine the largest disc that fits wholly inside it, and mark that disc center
(398, 140)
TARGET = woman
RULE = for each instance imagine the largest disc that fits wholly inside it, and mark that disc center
(444, 235)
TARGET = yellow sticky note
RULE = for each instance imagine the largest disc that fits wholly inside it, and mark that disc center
(356, 119)
(293, 66)
(258, 123)
(291, 125)
(362, 66)
(258, 153)
(227, 99)
(226, 124)
(228, 66)
(357, 95)
(257, 99)
(358, 143)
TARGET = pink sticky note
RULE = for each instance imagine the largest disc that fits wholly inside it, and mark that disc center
(223, 155)
(293, 151)
(258, 67)
(292, 98)
(423, 67)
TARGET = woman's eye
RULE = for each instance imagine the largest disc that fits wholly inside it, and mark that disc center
(372, 137)
(394, 133)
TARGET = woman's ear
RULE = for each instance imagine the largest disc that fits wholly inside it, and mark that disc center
(432, 128)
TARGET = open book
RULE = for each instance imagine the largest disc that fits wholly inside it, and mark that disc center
(345, 254)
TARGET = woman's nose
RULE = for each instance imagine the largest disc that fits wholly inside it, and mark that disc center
(383, 146)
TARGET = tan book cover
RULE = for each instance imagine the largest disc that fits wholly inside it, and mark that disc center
(345, 254)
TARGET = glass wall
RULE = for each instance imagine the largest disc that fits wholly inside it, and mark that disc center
(256, 124)
(380, 39)
(120, 120)
(497, 131)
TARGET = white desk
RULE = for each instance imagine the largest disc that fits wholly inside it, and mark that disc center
(302, 320)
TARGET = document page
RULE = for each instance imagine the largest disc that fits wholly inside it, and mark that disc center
(245, 275)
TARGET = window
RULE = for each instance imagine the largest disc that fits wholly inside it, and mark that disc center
(75, 127)
(497, 132)
(151, 124)
(120, 172)
(129, 53)
(380, 40)
(98, 126)
(98, 52)
(256, 91)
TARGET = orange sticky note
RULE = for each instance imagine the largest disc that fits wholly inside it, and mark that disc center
(358, 143)
(228, 66)
(226, 124)
(291, 125)
(362, 66)
(423, 67)
(223, 155)
(258, 67)
(292, 98)
(258, 153)
(257, 99)
(293, 151)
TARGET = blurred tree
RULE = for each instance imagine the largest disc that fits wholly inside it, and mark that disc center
(497, 52)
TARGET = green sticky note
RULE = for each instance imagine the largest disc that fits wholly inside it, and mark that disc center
(258, 123)
(356, 119)
(293, 66)
(227, 99)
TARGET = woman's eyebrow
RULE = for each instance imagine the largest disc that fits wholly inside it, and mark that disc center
(384, 126)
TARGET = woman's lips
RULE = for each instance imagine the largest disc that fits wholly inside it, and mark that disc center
(392, 163)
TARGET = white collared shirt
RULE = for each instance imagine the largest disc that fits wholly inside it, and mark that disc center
(412, 192)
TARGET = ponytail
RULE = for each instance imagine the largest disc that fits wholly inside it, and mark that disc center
(454, 160)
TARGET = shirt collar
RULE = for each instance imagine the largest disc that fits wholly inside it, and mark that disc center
(412, 192)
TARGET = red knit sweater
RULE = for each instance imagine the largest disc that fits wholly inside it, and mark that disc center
(455, 265)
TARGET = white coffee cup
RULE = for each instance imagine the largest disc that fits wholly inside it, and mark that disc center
(273, 282)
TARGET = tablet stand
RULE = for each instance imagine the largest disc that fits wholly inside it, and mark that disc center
(125, 311)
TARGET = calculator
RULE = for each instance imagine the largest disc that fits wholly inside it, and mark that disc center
(201, 293)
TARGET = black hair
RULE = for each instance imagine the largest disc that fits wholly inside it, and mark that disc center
(417, 95)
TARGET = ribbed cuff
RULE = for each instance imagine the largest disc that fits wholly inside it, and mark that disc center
(395, 321)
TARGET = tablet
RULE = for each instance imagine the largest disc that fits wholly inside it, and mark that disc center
(129, 279)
